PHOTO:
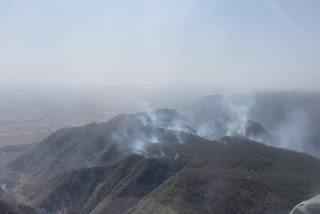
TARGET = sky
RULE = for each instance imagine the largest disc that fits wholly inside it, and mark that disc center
(160, 44)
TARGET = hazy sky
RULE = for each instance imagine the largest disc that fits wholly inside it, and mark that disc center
(160, 43)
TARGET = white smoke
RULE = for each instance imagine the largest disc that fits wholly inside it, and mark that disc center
(157, 119)
(139, 147)
(176, 156)
(142, 129)
(238, 116)
(4, 188)
(229, 116)
(154, 139)
(294, 131)
(151, 119)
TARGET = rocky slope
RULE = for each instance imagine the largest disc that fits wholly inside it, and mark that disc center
(199, 176)
(9, 208)
(101, 144)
